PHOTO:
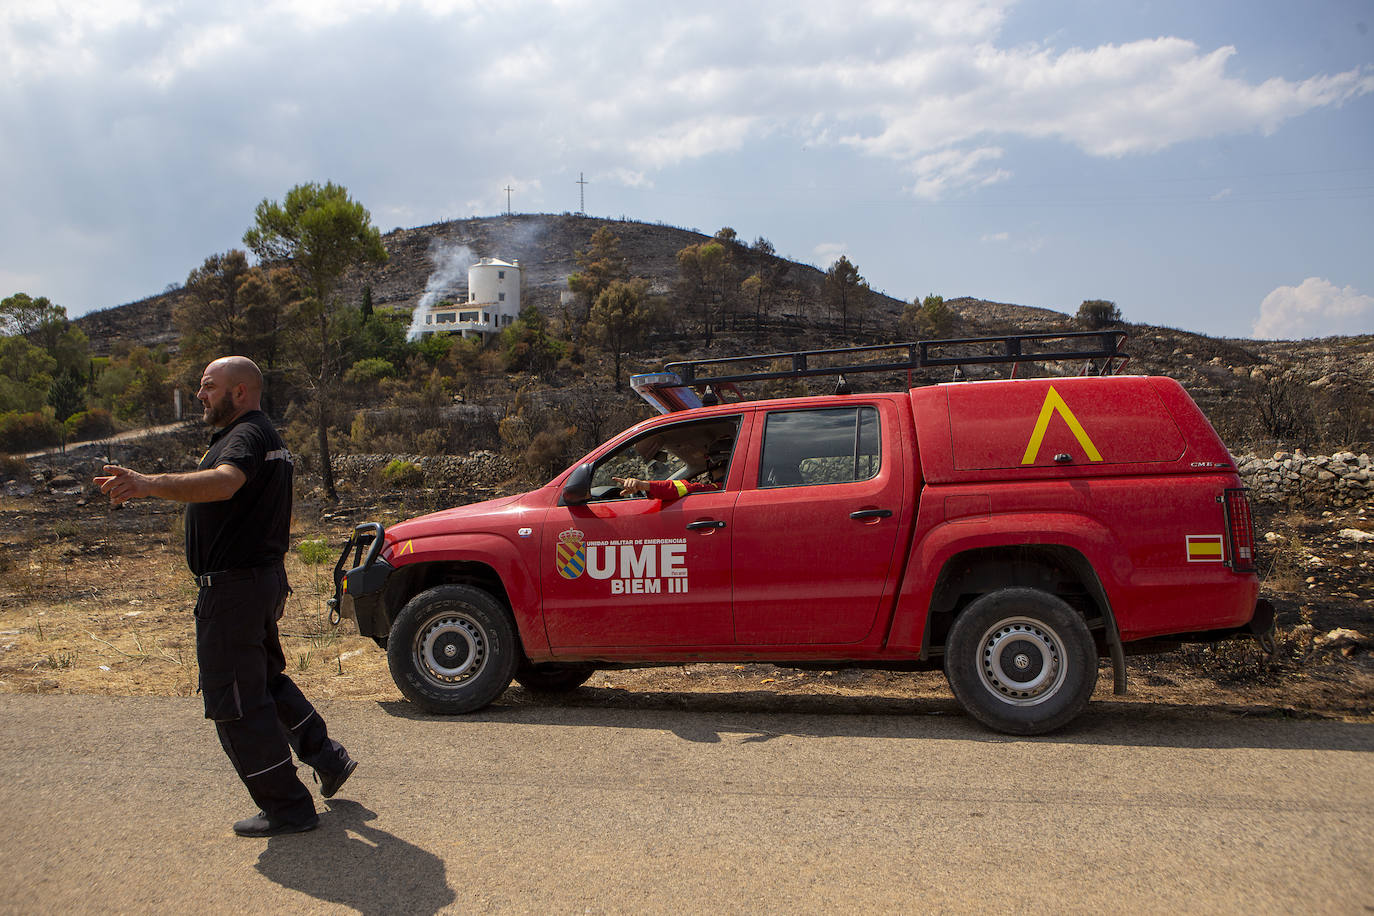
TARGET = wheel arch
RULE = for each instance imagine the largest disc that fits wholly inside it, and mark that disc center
(1057, 569)
(414, 578)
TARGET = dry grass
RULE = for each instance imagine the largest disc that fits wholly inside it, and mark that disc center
(85, 609)
(95, 601)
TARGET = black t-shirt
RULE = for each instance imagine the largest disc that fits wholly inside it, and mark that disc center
(253, 527)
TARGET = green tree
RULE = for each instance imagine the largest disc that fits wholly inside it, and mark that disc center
(701, 272)
(45, 326)
(528, 346)
(149, 394)
(67, 394)
(1098, 313)
(434, 349)
(928, 318)
(270, 297)
(845, 290)
(598, 267)
(23, 314)
(620, 318)
(729, 273)
(320, 232)
(211, 314)
(769, 274)
(26, 374)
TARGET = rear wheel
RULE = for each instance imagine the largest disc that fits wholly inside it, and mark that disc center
(552, 677)
(1021, 661)
(452, 649)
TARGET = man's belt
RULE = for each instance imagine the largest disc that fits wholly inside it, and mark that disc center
(223, 576)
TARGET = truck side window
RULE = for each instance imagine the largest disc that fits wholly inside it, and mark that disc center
(808, 447)
(685, 451)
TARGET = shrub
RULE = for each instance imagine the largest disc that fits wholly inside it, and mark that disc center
(547, 452)
(1098, 313)
(24, 432)
(369, 371)
(315, 552)
(402, 473)
(13, 467)
(434, 348)
(96, 423)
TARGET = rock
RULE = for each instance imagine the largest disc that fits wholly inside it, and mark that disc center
(1343, 640)
(1355, 534)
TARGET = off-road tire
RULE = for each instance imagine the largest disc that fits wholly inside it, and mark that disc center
(1021, 661)
(452, 649)
(552, 677)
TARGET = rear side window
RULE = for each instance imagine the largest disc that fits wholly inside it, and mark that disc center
(809, 447)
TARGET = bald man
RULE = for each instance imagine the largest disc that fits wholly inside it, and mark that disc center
(238, 521)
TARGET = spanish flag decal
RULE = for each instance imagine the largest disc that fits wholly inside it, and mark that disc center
(1204, 548)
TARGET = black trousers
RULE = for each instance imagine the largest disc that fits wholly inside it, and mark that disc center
(259, 712)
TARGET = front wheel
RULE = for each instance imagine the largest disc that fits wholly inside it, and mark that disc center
(1021, 661)
(452, 649)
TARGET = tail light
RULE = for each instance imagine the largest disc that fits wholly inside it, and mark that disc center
(1240, 531)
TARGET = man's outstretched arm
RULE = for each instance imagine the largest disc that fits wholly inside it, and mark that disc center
(207, 486)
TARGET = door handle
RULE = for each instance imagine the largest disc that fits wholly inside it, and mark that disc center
(713, 523)
(870, 513)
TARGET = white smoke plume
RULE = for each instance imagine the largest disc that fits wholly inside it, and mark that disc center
(451, 263)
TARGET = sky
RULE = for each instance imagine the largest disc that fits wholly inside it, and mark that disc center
(1204, 165)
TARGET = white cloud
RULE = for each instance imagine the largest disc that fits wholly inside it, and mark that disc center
(629, 178)
(937, 174)
(1314, 308)
(828, 253)
(922, 83)
(192, 112)
(995, 237)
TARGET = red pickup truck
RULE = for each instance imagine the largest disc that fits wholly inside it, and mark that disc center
(1012, 531)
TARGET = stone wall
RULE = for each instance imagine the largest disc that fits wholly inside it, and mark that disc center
(478, 470)
(1339, 480)
(1342, 479)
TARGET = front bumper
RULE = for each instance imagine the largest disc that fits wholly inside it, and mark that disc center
(358, 588)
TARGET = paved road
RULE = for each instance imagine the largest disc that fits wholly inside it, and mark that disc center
(124, 805)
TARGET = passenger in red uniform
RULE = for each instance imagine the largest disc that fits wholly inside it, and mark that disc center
(714, 460)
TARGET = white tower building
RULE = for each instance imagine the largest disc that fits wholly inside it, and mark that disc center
(493, 302)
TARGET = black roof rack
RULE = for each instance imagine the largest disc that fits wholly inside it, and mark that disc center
(1012, 349)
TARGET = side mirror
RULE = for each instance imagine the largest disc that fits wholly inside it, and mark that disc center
(577, 489)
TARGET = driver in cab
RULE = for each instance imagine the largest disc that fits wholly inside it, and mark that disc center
(712, 460)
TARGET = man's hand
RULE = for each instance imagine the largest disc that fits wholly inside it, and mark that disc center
(123, 484)
(629, 486)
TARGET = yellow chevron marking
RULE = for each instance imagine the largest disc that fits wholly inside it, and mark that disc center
(1054, 403)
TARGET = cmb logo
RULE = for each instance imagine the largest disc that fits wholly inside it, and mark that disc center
(571, 555)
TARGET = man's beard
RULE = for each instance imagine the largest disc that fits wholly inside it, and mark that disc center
(217, 414)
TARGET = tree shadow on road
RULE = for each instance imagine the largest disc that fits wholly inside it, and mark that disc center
(349, 862)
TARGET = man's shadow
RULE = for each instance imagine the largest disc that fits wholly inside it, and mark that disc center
(348, 862)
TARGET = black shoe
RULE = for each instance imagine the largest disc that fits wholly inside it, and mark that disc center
(262, 825)
(331, 782)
